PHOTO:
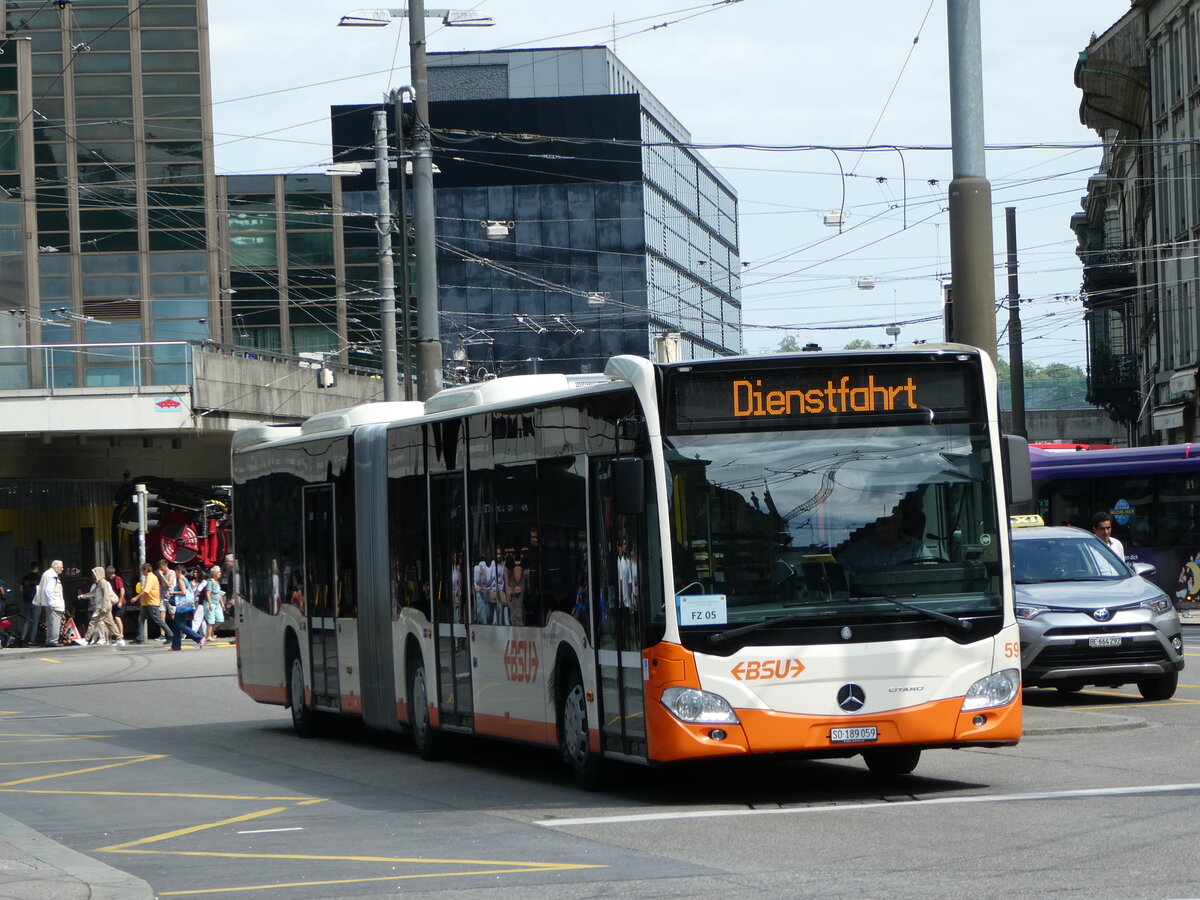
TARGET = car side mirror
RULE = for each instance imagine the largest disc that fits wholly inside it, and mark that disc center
(1144, 569)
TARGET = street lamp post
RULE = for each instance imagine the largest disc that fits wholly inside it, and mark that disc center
(429, 342)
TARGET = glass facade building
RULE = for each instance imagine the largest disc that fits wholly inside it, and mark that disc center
(617, 232)
(122, 249)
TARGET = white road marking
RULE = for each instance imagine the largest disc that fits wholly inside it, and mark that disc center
(269, 830)
(846, 807)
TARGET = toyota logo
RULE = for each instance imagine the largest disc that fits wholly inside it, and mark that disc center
(1101, 614)
(851, 697)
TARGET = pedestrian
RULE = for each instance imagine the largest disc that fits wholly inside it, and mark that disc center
(200, 586)
(101, 602)
(1102, 525)
(49, 597)
(213, 604)
(150, 601)
(185, 606)
(27, 591)
(117, 583)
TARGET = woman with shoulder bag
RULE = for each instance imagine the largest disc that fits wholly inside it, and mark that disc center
(185, 607)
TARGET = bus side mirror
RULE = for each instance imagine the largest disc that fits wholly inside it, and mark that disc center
(628, 486)
(1018, 472)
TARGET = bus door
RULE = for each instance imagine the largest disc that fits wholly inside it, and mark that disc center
(314, 592)
(617, 550)
(451, 579)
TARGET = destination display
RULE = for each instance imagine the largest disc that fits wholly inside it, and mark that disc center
(798, 397)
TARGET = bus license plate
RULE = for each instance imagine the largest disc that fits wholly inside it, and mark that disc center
(861, 734)
(1106, 641)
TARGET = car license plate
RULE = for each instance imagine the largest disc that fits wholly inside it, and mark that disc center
(860, 734)
(1105, 641)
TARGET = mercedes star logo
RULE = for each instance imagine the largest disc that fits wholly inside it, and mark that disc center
(851, 697)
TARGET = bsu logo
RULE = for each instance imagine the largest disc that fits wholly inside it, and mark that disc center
(761, 670)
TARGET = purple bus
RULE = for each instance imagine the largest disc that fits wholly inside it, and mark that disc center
(1152, 493)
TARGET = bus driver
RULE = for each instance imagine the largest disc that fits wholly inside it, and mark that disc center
(885, 545)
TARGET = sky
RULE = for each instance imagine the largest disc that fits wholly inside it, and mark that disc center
(773, 74)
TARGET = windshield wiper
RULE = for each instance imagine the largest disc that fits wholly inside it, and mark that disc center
(963, 625)
(722, 636)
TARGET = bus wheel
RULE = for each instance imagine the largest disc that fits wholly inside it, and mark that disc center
(1160, 687)
(888, 761)
(304, 718)
(586, 766)
(429, 741)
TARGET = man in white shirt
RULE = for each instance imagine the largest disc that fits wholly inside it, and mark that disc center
(1102, 525)
(50, 595)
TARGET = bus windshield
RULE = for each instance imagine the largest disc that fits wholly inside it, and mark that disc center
(833, 527)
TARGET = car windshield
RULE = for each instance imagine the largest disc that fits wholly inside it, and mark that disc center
(832, 526)
(1041, 560)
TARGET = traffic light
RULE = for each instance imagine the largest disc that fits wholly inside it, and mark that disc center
(153, 510)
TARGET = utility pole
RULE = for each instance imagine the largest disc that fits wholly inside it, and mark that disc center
(429, 341)
(971, 264)
(1016, 353)
(406, 376)
(387, 275)
(139, 497)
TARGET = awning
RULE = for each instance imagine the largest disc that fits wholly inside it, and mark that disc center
(1182, 381)
(1166, 417)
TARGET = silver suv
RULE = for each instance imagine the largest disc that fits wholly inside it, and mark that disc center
(1086, 618)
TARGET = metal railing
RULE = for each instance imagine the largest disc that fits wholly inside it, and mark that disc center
(52, 368)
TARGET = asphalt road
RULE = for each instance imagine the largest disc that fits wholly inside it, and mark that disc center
(155, 764)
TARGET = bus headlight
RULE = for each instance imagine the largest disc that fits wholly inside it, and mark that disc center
(698, 707)
(997, 689)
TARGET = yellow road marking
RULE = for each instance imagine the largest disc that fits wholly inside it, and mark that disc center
(57, 662)
(192, 829)
(266, 887)
(111, 765)
(26, 738)
(84, 793)
(43, 762)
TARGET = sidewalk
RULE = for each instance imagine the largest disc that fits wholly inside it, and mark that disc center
(33, 867)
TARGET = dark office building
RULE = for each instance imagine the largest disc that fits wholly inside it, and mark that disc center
(573, 225)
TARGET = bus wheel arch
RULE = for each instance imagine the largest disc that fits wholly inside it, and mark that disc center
(305, 720)
(574, 737)
(430, 742)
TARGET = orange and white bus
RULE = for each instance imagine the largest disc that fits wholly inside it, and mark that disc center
(802, 554)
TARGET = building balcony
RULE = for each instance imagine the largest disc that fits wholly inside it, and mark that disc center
(1113, 385)
(1109, 270)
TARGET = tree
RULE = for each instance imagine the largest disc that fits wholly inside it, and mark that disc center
(789, 344)
(861, 344)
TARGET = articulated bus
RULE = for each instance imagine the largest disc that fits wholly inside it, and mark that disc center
(1153, 495)
(802, 555)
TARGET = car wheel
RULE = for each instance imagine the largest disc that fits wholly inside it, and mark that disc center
(573, 737)
(1068, 688)
(1159, 687)
(304, 718)
(429, 741)
(887, 761)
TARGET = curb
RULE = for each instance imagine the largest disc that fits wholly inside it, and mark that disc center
(1114, 723)
(37, 867)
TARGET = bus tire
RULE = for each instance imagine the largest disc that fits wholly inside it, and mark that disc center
(1159, 687)
(305, 720)
(889, 761)
(430, 742)
(573, 737)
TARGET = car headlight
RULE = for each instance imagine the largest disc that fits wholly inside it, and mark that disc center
(1158, 605)
(698, 707)
(997, 689)
(1024, 611)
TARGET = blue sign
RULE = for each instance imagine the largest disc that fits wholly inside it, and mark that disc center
(1122, 512)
